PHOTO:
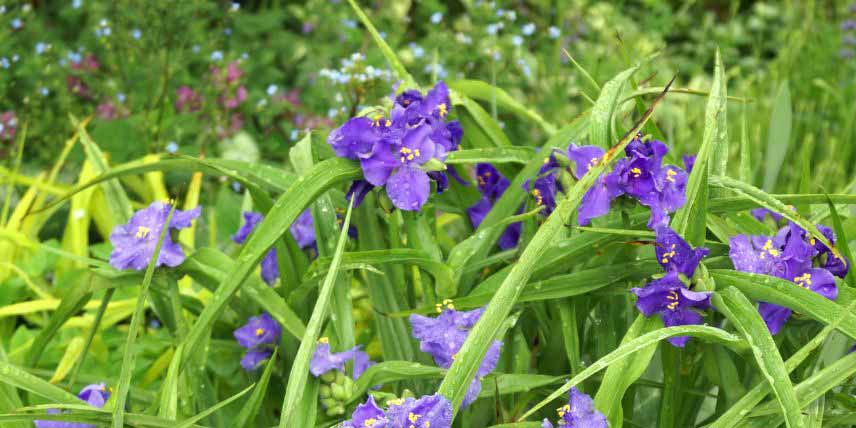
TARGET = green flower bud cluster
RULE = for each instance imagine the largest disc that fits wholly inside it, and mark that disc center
(336, 389)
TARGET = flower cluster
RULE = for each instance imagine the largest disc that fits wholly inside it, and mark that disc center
(641, 175)
(95, 395)
(492, 184)
(134, 242)
(793, 255)
(443, 336)
(578, 413)
(848, 35)
(231, 94)
(430, 411)
(257, 336)
(393, 152)
(669, 296)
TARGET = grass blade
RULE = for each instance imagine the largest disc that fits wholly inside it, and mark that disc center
(295, 396)
(778, 136)
(745, 317)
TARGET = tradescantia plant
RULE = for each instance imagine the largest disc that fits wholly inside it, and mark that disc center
(415, 268)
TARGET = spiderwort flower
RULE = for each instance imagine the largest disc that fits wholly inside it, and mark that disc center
(788, 255)
(258, 335)
(270, 266)
(443, 336)
(578, 413)
(430, 411)
(674, 254)
(303, 229)
(95, 395)
(669, 298)
(492, 184)
(134, 242)
(761, 213)
(324, 361)
(393, 151)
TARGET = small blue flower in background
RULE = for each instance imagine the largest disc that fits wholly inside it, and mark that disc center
(235, 7)
(4, 62)
(257, 336)
(436, 17)
(44, 92)
(16, 23)
(136, 33)
(324, 361)
(492, 29)
(134, 242)
(418, 51)
(271, 90)
(443, 336)
(430, 411)
(578, 413)
(95, 395)
(41, 47)
(270, 267)
(528, 29)
(554, 32)
(76, 3)
(216, 56)
(516, 40)
(668, 296)
(172, 147)
(791, 255)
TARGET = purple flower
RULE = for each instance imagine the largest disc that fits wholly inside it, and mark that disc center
(134, 242)
(689, 162)
(443, 336)
(674, 254)
(323, 360)
(584, 158)
(359, 189)
(257, 336)
(270, 266)
(430, 411)
(393, 150)
(303, 230)
(578, 413)
(492, 184)
(95, 395)
(818, 280)
(835, 263)
(761, 213)
(788, 255)
(674, 302)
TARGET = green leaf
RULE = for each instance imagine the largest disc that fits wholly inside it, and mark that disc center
(485, 122)
(601, 112)
(513, 154)
(286, 209)
(768, 201)
(633, 346)
(295, 392)
(71, 303)
(129, 355)
(394, 63)
(465, 366)
(392, 371)
(841, 240)
(117, 199)
(778, 136)
(689, 220)
(486, 92)
(744, 203)
(248, 413)
(740, 311)
(168, 405)
(21, 379)
(189, 422)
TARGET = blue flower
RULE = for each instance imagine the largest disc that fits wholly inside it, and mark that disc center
(134, 242)
(430, 411)
(324, 361)
(578, 413)
(258, 335)
(270, 266)
(443, 336)
(492, 184)
(675, 303)
(95, 395)
(528, 29)
(436, 17)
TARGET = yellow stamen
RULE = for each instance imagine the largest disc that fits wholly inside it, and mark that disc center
(412, 417)
(670, 175)
(539, 200)
(636, 172)
(441, 109)
(143, 232)
(803, 280)
(564, 409)
(673, 296)
(260, 331)
(369, 423)
(323, 340)
(395, 402)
